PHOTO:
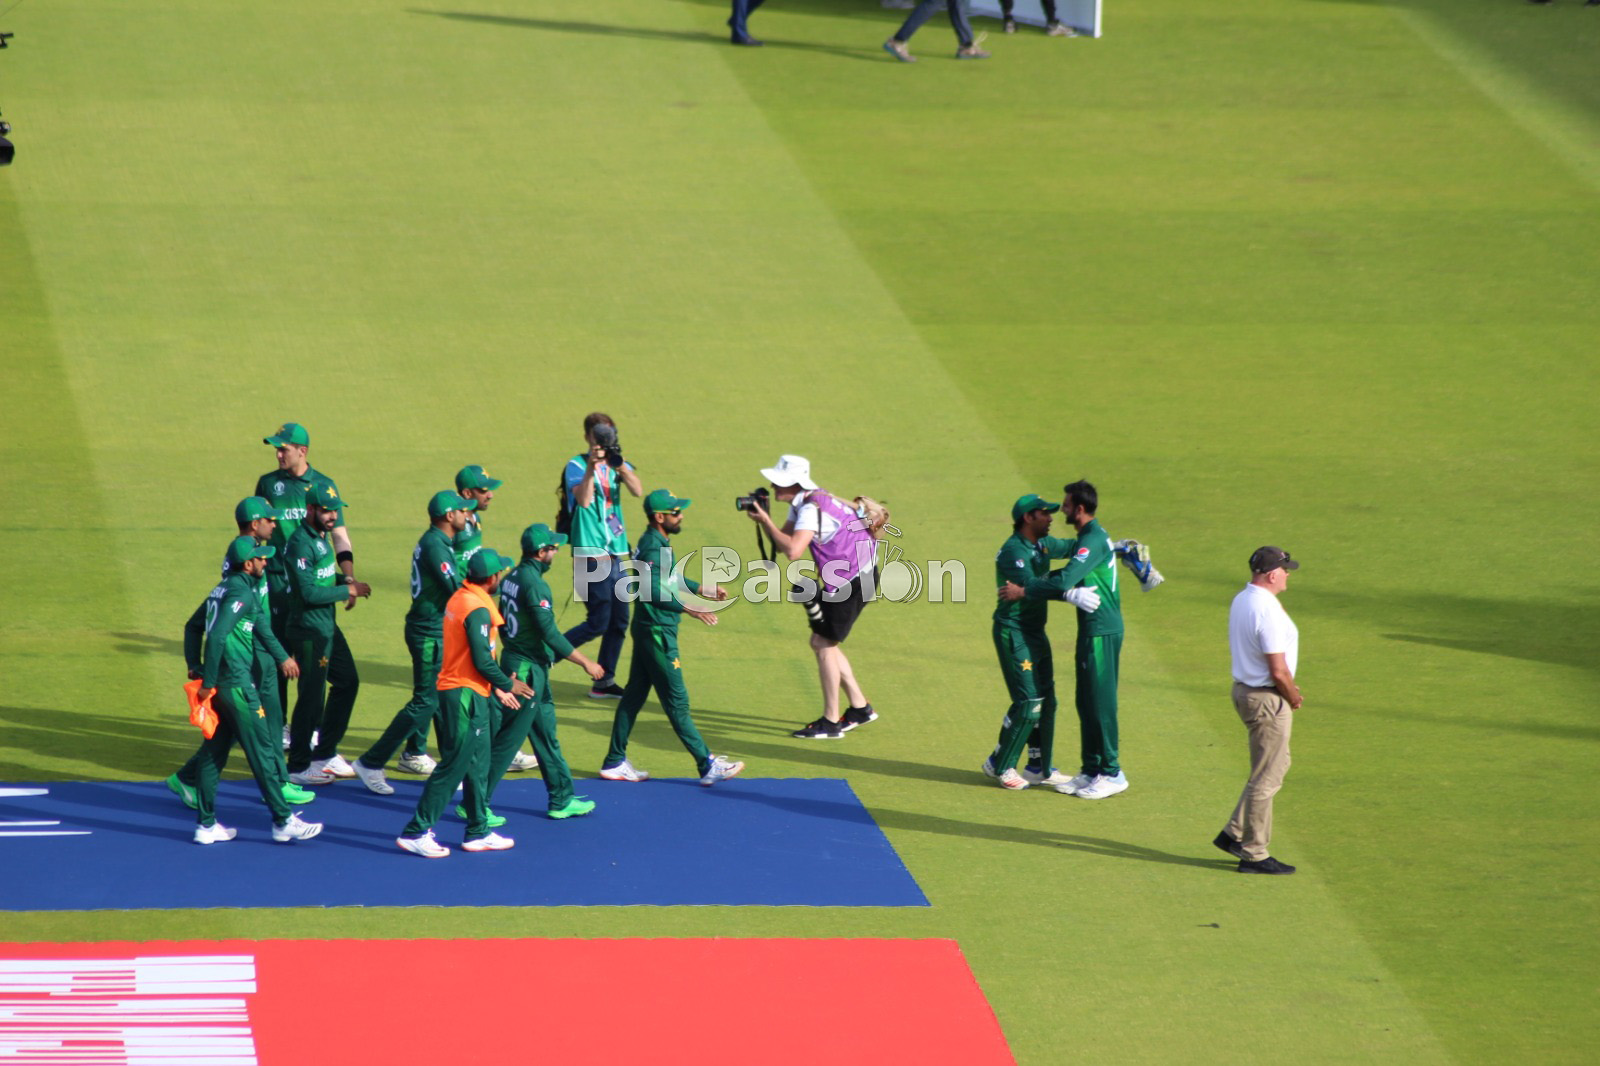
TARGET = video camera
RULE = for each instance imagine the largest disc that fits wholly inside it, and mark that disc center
(759, 495)
(605, 435)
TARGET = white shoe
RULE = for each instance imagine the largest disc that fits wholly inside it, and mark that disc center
(624, 771)
(311, 776)
(492, 842)
(720, 770)
(1072, 785)
(336, 765)
(215, 833)
(1103, 786)
(423, 845)
(416, 764)
(373, 779)
(294, 829)
(1053, 778)
(524, 761)
(1009, 778)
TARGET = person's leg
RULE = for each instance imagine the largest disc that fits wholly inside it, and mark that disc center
(919, 14)
(343, 684)
(616, 629)
(1270, 721)
(1105, 666)
(959, 22)
(591, 586)
(828, 673)
(667, 671)
(1022, 715)
(512, 727)
(552, 764)
(633, 697)
(411, 721)
(263, 747)
(271, 693)
(210, 760)
(476, 741)
(312, 649)
(452, 722)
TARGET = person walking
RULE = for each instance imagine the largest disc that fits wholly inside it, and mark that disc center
(656, 662)
(1265, 646)
(593, 482)
(465, 722)
(227, 679)
(897, 45)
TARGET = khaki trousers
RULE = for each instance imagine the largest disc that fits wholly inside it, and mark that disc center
(1269, 718)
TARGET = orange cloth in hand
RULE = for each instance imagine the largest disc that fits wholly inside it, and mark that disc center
(200, 713)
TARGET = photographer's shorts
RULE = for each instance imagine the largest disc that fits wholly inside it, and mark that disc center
(832, 617)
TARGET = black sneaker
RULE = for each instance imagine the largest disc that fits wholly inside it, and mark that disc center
(612, 691)
(821, 729)
(1229, 845)
(1268, 865)
(857, 716)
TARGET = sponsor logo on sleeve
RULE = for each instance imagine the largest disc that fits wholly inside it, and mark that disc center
(1083, 553)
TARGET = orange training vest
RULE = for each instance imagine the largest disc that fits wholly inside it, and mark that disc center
(458, 670)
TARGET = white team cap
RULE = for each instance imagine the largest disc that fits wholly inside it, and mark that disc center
(791, 470)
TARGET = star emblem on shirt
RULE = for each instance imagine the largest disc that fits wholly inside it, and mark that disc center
(323, 662)
(1027, 664)
(675, 664)
(261, 712)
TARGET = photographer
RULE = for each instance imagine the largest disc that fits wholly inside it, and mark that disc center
(842, 544)
(594, 481)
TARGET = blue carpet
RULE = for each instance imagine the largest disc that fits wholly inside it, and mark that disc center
(796, 842)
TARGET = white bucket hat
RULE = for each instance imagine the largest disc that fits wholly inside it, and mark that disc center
(791, 470)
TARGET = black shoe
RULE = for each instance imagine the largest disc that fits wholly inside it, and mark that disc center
(821, 729)
(1268, 865)
(1229, 845)
(612, 691)
(747, 40)
(857, 716)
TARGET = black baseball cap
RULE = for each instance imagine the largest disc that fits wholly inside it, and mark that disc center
(1267, 559)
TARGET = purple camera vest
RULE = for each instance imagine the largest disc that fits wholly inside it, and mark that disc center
(851, 549)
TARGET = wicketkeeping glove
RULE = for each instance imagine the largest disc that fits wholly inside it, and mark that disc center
(1083, 598)
(1136, 557)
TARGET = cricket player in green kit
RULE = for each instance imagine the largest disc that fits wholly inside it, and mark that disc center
(656, 663)
(287, 487)
(1089, 583)
(227, 679)
(532, 643)
(1024, 650)
(328, 679)
(435, 576)
(465, 721)
(255, 518)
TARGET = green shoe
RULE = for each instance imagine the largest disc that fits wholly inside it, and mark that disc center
(182, 791)
(576, 807)
(295, 794)
(495, 821)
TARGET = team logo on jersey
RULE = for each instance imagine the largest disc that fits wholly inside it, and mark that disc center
(277, 488)
(321, 548)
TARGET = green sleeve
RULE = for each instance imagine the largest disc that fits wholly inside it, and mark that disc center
(1058, 582)
(659, 588)
(1058, 547)
(231, 610)
(269, 639)
(544, 618)
(478, 623)
(194, 632)
(303, 573)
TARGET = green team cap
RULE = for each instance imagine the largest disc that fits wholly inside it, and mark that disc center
(539, 536)
(661, 500)
(486, 563)
(325, 496)
(476, 477)
(245, 548)
(253, 507)
(1032, 502)
(289, 433)
(445, 502)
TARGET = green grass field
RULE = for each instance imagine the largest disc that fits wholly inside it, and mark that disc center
(1304, 272)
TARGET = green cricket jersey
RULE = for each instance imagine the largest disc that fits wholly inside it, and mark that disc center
(314, 581)
(1022, 561)
(658, 605)
(525, 602)
(265, 640)
(435, 576)
(1093, 563)
(230, 641)
(467, 542)
(288, 494)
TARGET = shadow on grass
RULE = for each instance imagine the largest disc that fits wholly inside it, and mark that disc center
(127, 746)
(600, 29)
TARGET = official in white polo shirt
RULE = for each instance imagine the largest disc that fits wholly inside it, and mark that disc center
(1266, 653)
